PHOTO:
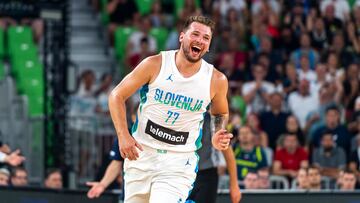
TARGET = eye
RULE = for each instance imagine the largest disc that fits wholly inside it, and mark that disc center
(195, 34)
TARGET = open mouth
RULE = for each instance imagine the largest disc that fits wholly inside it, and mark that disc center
(196, 49)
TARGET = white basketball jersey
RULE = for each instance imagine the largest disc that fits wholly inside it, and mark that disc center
(172, 107)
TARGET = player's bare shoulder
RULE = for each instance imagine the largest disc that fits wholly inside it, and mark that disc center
(219, 82)
(149, 67)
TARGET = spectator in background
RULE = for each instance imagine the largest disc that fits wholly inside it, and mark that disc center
(273, 56)
(289, 159)
(348, 181)
(340, 49)
(19, 177)
(351, 85)
(305, 72)
(356, 18)
(354, 159)
(13, 159)
(263, 178)
(291, 80)
(354, 122)
(239, 57)
(113, 172)
(274, 117)
(341, 8)
(190, 9)
(339, 132)
(172, 41)
(319, 36)
(353, 37)
(251, 181)
(235, 76)
(256, 93)
(156, 14)
(224, 6)
(83, 101)
(329, 158)
(134, 43)
(102, 94)
(314, 178)
(248, 156)
(288, 42)
(260, 136)
(4, 177)
(236, 20)
(292, 127)
(296, 18)
(122, 12)
(302, 97)
(302, 179)
(26, 13)
(53, 179)
(86, 86)
(321, 78)
(332, 23)
(329, 95)
(134, 59)
(305, 50)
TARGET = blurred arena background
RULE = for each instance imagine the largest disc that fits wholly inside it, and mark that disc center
(294, 85)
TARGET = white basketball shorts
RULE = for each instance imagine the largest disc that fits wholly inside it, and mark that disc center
(160, 176)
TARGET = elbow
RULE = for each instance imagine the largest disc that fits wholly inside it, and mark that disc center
(114, 98)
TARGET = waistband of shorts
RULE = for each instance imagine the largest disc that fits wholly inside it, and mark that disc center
(163, 151)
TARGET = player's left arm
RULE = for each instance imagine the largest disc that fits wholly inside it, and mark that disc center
(235, 193)
(220, 111)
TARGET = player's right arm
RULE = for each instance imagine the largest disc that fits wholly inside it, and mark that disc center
(143, 74)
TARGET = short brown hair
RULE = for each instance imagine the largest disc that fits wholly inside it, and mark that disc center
(200, 19)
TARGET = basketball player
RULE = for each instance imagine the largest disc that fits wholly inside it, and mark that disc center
(176, 89)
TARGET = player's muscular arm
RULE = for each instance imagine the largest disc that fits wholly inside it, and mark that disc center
(144, 73)
(219, 110)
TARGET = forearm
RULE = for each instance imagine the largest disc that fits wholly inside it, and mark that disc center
(117, 110)
(231, 166)
(112, 172)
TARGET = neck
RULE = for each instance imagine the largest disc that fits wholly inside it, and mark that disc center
(291, 151)
(275, 111)
(186, 67)
(247, 146)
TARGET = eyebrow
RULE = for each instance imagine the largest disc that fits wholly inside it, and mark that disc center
(196, 31)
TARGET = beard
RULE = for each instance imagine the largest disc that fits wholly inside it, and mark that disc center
(186, 50)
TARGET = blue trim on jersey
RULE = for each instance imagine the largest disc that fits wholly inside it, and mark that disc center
(196, 170)
(198, 143)
(143, 95)
(135, 125)
(143, 98)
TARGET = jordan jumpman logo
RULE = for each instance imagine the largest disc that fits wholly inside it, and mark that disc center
(169, 78)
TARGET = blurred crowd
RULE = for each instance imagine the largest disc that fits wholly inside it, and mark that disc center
(294, 81)
(14, 174)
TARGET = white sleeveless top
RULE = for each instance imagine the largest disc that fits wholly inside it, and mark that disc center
(171, 110)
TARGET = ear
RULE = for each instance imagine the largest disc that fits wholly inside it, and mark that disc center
(181, 36)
